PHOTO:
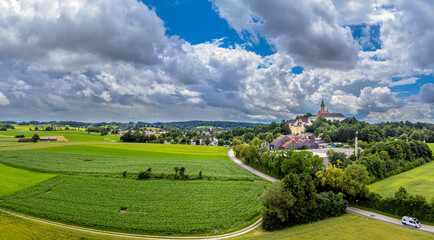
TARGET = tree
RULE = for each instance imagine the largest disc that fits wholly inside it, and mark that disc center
(355, 179)
(330, 178)
(207, 141)
(334, 156)
(269, 138)
(221, 142)
(248, 136)
(288, 202)
(35, 137)
(327, 139)
(236, 142)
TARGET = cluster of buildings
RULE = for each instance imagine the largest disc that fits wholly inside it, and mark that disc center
(299, 139)
(302, 141)
(298, 126)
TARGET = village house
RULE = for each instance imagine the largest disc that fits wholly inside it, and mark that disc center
(294, 142)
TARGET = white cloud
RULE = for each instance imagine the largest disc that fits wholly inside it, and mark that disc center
(307, 30)
(405, 81)
(3, 99)
(101, 67)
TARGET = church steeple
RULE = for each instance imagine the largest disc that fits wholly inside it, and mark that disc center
(322, 105)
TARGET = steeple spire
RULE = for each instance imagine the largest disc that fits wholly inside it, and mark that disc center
(322, 105)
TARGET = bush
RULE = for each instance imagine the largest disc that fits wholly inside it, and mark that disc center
(402, 204)
(19, 136)
(329, 205)
(35, 137)
(145, 174)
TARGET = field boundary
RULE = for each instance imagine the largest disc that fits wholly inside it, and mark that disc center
(236, 233)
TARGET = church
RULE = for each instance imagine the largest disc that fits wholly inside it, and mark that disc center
(329, 116)
(298, 126)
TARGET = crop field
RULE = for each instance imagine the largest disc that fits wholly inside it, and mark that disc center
(149, 150)
(70, 135)
(348, 226)
(161, 206)
(59, 162)
(14, 179)
(419, 180)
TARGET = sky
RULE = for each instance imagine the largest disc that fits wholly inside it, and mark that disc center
(234, 60)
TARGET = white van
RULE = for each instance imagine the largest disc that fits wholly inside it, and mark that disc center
(410, 221)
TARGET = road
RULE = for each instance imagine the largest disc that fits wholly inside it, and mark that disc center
(353, 210)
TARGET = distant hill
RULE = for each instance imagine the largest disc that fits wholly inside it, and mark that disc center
(203, 124)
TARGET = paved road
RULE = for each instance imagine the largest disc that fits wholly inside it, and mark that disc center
(386, 219)
(136, 236)
(372, 215)
(235, 159)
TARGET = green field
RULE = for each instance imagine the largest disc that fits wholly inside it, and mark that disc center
(344, 227)
(148, 150)
(161, 206)
(13, 179)
(70, 135)
(419, 181)
(59, 162)
(431, 146)
(12, 228)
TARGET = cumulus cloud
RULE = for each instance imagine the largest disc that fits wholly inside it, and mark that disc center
(3, 99)
(98, 67)
(427, 93)
(68, 32)
(307, 30)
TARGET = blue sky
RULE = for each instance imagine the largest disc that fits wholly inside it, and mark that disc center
(198, 22)
(239, 60)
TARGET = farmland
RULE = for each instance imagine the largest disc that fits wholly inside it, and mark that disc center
(419, 180)
(148, 150)
(350, 227)
(89, 189)
(161, 206)
(13, 179)
(59, 162)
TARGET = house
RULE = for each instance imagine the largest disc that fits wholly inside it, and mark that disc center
(294, 142)
(298, 126)
(149, 132)
(48, 139)
(25, 140)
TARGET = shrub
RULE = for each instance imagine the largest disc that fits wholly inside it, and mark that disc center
(200, 174)
(35, 137)
(145, 174)
(19, 136)
(182, 172)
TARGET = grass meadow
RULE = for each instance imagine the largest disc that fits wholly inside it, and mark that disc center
(14, 179)
(419, 181)
(161, 206)
(345, 227)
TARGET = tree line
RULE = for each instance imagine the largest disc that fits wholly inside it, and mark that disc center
(309, 191)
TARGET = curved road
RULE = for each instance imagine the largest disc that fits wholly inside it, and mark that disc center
(353, 210)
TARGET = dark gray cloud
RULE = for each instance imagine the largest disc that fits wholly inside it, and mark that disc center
(427, 93)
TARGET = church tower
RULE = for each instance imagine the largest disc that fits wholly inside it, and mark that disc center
(322, 109)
